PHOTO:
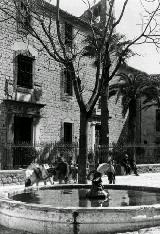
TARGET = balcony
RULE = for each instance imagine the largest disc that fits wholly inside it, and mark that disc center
(22, 94)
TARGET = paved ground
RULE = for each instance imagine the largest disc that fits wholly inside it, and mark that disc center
(148, 179)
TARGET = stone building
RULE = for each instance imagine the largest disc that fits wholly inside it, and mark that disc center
(150, 131)
(147, 145)
(37, 100)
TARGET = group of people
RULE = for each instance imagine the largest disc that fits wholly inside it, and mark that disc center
(65, 172)
(129, 165)
(60, 170)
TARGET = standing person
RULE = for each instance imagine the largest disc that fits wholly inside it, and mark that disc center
(126, 164)
(111, 171)
(133, 166)
(62, 170)
(74, 171)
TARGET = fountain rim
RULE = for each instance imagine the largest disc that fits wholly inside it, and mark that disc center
(5, 196)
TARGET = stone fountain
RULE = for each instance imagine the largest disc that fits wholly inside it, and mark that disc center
(73, 219)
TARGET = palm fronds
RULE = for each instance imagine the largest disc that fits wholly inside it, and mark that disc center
(132, 87)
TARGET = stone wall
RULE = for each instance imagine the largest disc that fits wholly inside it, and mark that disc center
(145, 168)
(49, 75)
(14, 177)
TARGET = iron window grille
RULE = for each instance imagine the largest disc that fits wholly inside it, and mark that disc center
(68, 133)
(68, 84)
(25, 72)
(68, 34)
(23, 16)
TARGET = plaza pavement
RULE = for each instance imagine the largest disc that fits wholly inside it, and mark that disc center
(146, 179)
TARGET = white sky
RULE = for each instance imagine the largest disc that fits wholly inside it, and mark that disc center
(148, 59)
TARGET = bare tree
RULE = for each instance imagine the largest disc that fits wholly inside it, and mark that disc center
(38, 18)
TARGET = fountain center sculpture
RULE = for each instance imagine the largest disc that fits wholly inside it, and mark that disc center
(97, 191)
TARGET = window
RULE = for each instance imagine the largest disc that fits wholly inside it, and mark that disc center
(25, 67)
(68, 85)
(98, 134)
(22, 130)
(68, 133)
(23, 17)
(158, 120)
(68, 34)
(97, 11)
(99, 104)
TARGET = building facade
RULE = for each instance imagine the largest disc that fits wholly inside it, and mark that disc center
(37, 101)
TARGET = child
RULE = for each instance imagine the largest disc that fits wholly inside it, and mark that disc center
(111, 172)
(74, 171)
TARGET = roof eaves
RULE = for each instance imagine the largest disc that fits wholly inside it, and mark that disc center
(64, 14)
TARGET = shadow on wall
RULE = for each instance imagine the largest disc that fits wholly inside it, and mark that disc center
(143, 153)
(5, 159)
(119, 147)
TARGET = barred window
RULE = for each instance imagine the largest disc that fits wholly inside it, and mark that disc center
(68, 85)
(68, 34)
(68, 133)
(97, 11)
(98, 134)
(24, 73)
(99, 103)
(23, 15)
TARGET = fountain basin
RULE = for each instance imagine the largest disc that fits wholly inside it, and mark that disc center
(39, 218)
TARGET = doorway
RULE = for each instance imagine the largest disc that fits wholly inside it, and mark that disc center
(23, 129)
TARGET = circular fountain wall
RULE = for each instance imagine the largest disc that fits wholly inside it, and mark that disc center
(80, 216)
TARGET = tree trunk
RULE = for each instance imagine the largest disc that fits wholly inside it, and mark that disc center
(132, 122)
(83, 148)
(105, 123)
(132, 127)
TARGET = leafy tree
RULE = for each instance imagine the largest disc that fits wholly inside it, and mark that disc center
(130, 88)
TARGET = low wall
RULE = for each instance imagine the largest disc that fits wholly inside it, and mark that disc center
(145, 168)
(16, 177)
(141, 168)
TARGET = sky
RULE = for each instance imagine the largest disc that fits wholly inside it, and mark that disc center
(147, 58)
